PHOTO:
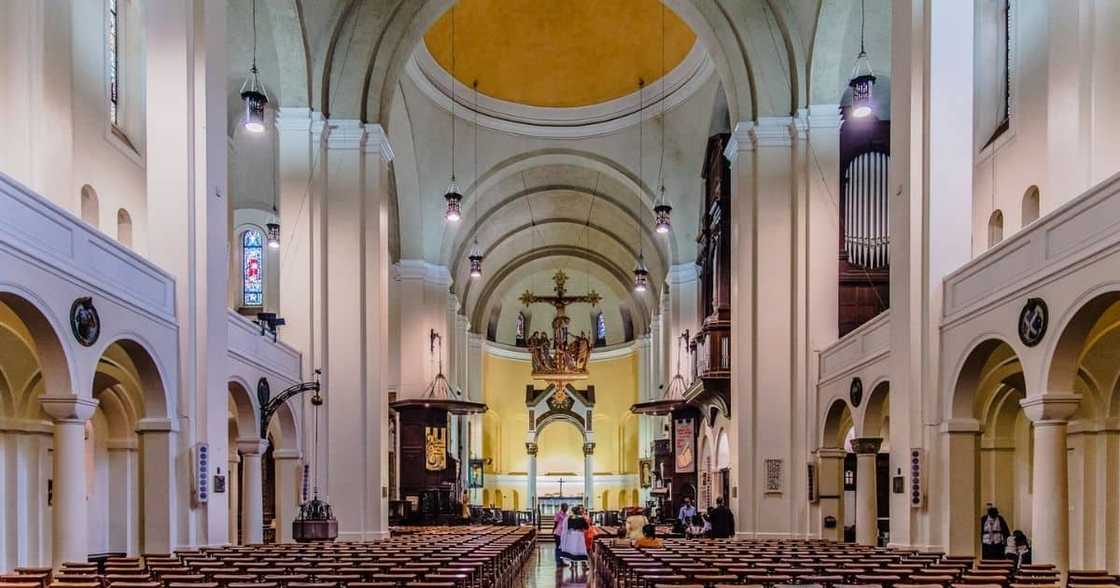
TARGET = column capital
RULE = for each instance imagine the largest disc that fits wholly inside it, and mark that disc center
(741, 141)
(122, 445)
(155, 425)
(69, 408)
(531, 449)
(293, 454)
(1050, 407)
(774, 131)
(588, 449)
(377, 141)
(866, 445)
(252, 446)
(831, 453)
(290, 118)
(961, 425)
(345, 134)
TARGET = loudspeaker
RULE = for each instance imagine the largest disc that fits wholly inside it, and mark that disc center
(917, 478)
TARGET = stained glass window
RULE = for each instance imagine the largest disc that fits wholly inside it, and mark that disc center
(112, 59)
(252, 267)
(600, 329)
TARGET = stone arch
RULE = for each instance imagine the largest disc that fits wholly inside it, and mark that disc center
(244, 409)
(1061, 367)
(157, 399)
(837, 422)
(56, 370)
(285, 428)
(961, 404)
(876, 412)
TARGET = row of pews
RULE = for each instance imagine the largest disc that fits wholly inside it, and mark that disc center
(427, 557)
(711, 563)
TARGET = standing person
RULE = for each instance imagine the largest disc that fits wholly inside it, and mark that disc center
(634, 524)
(465, 505)
(686, 512)
(558, 531)
(722, 520)
(993, 534)
(573, 541)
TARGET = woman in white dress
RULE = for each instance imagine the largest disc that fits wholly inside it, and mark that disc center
(573, 546)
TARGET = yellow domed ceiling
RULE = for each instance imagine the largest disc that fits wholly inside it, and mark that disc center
(558, 53)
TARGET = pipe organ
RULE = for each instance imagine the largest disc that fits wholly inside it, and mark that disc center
(864, 239)
(866, 221)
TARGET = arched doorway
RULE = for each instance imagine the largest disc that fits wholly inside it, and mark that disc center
(836, 506)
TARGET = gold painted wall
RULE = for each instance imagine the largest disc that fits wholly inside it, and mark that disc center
(558, 53)
(560, 445)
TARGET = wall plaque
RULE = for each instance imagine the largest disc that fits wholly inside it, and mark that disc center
(1033, 320)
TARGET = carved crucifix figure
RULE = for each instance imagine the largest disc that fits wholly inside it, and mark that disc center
(560, 302)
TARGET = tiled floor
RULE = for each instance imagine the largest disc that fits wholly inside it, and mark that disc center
(541, 571)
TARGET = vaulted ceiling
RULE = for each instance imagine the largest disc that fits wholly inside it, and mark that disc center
(556, 181)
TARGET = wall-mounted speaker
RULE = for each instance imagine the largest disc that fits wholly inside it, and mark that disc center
(917, 478)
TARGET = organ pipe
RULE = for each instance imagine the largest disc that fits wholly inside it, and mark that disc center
(866, 219)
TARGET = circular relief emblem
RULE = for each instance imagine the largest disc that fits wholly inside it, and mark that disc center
(84, 321)
(855, 393)
(1033, 320)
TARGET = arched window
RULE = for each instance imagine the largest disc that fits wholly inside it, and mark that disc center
(124, 228)
(1030, 205)
(995, 228)
(600, 330)
(90, 206)
(252, 267)
(519, 334)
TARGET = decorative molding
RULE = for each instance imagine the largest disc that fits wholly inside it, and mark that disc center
(824, 117)
(156, 425)
(773, 131)
(866, 445)
(418, 269)
(741, 141)
(561, 123)
(345, 134)
(377, 141)
(960, 425)
(504, 351)
(296, 119)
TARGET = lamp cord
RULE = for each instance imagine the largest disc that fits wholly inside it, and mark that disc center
(451, 79)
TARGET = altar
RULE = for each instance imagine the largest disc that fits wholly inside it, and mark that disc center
(549, 505)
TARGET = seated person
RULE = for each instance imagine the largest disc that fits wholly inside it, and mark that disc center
(649, 538)
(695, 526)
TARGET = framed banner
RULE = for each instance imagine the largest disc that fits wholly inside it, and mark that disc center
(476, 473)
(435, 449)
(645, 472)
(684, 450)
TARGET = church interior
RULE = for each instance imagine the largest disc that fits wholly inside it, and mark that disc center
(516, 293)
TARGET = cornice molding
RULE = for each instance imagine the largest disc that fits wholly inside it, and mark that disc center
(377, 141)
(345, 134)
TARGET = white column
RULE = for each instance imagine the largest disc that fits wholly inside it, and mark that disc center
(830, 492)
(233, 494)
(69, 516)
(589, 475)
(252, 490)
(867, 512)
(186, 166)
(762, 291)
(474, 392)
(1049, 515)
(288, 469)
(124, 519)
(531, 450)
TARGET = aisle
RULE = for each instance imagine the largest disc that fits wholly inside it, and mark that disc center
(541, 571)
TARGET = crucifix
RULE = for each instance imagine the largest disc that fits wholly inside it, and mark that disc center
(560, 302)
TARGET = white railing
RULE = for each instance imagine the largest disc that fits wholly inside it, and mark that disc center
(53, 238)
(246, 344)
(868, 343)
(1078, 230)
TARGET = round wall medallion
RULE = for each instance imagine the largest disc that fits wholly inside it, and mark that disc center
(84, 321)
(264, 392)
(1033, 320)
(855, 393)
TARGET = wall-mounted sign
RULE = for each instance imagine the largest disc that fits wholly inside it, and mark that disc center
(435, 449)
(684, 439)
(855, 392)
(84, 321)
(1033, 320)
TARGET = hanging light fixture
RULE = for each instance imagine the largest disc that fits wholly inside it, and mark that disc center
(862, 82)
(662, 212)
(272, 229)
(453, 196)
(475, 256)
(253, 95)
(641, 273)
